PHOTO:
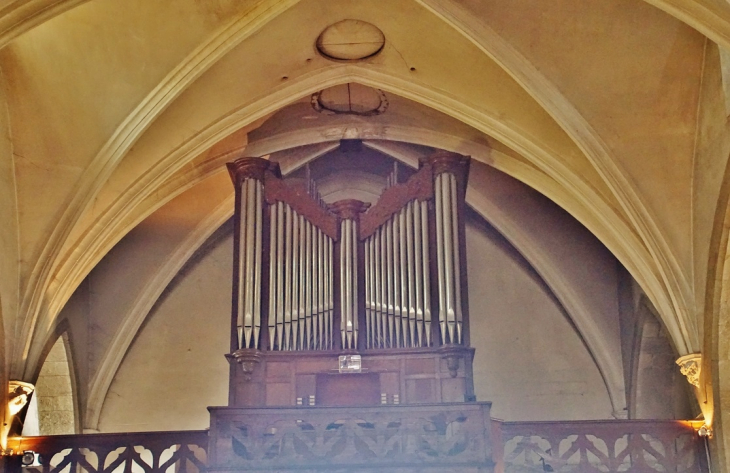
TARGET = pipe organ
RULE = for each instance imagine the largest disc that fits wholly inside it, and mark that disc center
(345, 305)
(313, 281)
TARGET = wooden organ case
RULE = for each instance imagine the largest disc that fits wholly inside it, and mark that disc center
(350, 329)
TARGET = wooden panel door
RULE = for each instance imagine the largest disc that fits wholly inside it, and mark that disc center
(350, 389)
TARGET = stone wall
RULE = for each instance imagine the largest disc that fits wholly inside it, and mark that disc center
(55, 393)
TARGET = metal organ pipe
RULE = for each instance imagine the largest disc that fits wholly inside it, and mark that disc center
(249, 242)
(377, 269)
(300, 298)
(296, 245)
(313, 290)
(457, 262)
(273, 214)
(352, 284)
(440, 263)
(368, 285)
(387, 250)
(329, 268)
(242, 301)
(346, 323)
(259, 226)
(418, 265)
(308, 288)
(403, 269)
(410, 263)
(396, 267)
(280, 219)
(448, 256)
(288, 293)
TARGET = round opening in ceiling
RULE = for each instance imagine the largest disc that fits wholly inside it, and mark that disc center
(350, 99)
(350, 40)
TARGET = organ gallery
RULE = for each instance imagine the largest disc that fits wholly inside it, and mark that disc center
(351, 305)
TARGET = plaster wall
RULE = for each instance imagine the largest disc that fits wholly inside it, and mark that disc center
(656, 373)
(530, 362)
(175, 368)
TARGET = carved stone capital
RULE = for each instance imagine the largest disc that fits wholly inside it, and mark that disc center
(689, 366)
(18, 394)
(349, 209)
(248, 359)
(251, 168)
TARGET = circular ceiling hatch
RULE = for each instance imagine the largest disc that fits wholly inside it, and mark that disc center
(350, 99)
(350, 40)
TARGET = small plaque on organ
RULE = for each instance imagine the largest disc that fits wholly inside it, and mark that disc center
(350, 364)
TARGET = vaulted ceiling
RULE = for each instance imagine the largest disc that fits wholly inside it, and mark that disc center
(613, 109)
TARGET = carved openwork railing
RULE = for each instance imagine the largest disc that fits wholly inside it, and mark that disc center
(601, 446)
(448, 436)
(149, 452)
(348, 276)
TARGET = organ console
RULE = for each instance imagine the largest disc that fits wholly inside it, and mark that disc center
(350, 304)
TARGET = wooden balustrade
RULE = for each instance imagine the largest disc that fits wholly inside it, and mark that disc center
(435, 437)
(601, 446)
(150, 452)
(454, 437)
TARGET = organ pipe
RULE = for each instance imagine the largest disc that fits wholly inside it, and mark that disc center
(426, 273)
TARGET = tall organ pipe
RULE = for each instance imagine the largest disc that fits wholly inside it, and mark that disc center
(378, 263)
(395, 228)
(457, 262)
(280, 274)
(288, 292)
(273, 214)
(355, 302)
(426, 273)
(403, 275)
(440, 263)
(368, 285)
(410, 263)
(448, 255)
(259, 225)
